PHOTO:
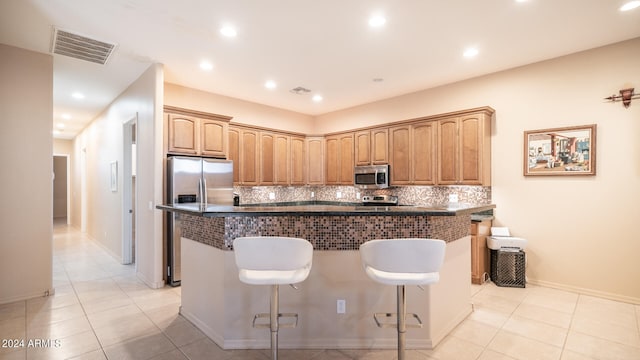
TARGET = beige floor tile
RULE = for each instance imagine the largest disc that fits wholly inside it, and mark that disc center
(453, 348)
(60, 329)
(13, 310)
(291, 354)
(183, 333)
(93, 355)
(48, 316)
(523, 348)
(113, 316)
(332, 354)
(165, 316)
(144, 347)
(60, 299)
(570, 355)
(488, 300)
(171, 355)
(545, 315)
(476, 332)
(106, 303)
(68, 347)
(489, 316)
(158, 298)
(606, 330)
(516, 294)
(125, 329)
(600, 349)
(606, 311)
(17, 354)
(536, 330)
(493, 355)
(204, 349)
(248, 355)
(553, 299)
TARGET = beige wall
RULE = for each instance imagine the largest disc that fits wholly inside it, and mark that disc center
(582, 231)
(26, 100)
(243, 112)
(102, 143)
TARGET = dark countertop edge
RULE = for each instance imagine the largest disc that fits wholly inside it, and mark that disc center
(242, 211)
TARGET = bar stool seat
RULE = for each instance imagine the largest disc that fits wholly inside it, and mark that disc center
(402, 262)
(274, 261)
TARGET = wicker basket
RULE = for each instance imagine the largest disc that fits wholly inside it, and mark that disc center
(508, 268)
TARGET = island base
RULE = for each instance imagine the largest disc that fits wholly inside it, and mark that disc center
(222, 307)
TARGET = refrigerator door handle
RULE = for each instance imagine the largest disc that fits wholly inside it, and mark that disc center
(205, 198)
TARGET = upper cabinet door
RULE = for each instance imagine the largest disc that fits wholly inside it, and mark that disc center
(400, 150)
(214, 138)
(346, 159)
(315, 160)
(448, 152)
(298, 156)
(380, 146)
(267, 158)
(363, 147)
(281, 159)
(423, 145)
(332, 145)
(183, 134)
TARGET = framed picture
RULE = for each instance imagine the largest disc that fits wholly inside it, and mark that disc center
(114, 176)
(566, 151)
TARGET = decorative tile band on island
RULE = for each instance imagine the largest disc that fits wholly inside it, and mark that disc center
(324, 232)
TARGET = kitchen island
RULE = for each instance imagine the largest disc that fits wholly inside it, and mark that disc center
(222, 307)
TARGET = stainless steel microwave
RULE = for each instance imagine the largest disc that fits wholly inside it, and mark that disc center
(371, 176)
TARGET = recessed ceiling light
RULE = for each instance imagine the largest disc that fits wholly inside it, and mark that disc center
(66, 116)
(317, 98)
(228, 31)
(630, 5)
(377, 21)
(60, 125)
(470, 52)
(378, 80)
(57, 132)
(77, 95)
(270, 84)
(206, 65)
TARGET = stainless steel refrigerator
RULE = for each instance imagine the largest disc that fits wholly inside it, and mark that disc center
(198, 181)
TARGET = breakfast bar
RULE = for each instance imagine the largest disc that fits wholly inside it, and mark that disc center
(215, 301)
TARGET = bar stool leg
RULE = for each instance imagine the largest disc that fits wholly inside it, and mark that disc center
(402, 317)
(274, 311)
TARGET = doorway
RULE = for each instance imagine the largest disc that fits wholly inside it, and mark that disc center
(61, 189)
(129, 200)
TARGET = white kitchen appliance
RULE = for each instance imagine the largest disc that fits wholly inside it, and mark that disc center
(501, 239)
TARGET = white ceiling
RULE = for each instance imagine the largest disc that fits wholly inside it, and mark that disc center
(326, 46)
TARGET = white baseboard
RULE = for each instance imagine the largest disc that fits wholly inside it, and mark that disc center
(585, 291)
(28, 296)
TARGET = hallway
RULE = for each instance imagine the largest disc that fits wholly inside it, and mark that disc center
(102, 311)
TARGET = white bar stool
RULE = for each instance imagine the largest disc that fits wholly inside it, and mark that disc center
(402, 262)
(270, 260)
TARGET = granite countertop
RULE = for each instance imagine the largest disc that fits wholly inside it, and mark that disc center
(325, 209)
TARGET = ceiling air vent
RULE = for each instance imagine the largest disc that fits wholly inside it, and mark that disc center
(300, 90)
(80, 47)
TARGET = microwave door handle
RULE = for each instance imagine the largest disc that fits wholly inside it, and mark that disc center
(375, 178)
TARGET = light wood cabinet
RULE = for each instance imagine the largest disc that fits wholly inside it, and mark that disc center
(464, 150)
(282, 159)
(400, 154)
(479, 251)
(412, 149)
(183, 134)
(371, 147)
(315, 160)
(298, 160)
(339, 159)
(244, 151)
(267, 158)
(192, 132)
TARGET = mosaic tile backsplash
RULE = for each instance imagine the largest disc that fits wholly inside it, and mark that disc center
(407, 195)
(324, 232)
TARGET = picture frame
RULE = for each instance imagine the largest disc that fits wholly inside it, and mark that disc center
(565, 151)
(114, 176)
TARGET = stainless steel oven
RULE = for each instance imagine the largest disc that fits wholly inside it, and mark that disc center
(371, 176)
